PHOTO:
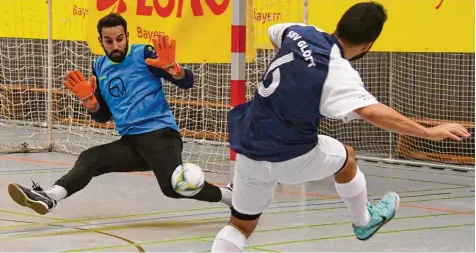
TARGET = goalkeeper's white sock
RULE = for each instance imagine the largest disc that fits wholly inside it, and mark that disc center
(229, 239)
(57, 192)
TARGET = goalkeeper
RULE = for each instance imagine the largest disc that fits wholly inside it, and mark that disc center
(126, 85)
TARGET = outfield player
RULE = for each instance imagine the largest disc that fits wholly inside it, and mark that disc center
(126, 85)
(275, 134)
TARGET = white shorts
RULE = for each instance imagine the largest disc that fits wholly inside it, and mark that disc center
(254, 182)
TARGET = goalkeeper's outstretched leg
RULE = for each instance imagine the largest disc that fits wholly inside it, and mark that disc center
(116, 156)
(158, 151)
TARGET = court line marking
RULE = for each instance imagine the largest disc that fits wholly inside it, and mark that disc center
(273, 207)
(34, 171)
(23, 159)
(278, 212)
(126, 226)
(401, 204)
(132, 243)
(260, 249)
(278, 190)
(62, 221)
(108, 226)
(256, 232)
(361, 162)
(203, 238)
(416, 180)
(352, 235)
(321, 195)
(417, 169)
(260, 246)
(149, 174)
(372, 165)
(301, 193)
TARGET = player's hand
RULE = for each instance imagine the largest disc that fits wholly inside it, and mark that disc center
(84, 90)
(447, 130)
(165, 49)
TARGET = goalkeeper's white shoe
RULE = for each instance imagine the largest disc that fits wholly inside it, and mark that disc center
(227, 194)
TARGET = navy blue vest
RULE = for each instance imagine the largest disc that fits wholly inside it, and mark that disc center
(281, 121)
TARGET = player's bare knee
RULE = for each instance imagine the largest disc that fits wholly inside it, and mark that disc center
(348, 171)
(244, 222)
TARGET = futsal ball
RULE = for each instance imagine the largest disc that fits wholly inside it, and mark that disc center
(188, 179)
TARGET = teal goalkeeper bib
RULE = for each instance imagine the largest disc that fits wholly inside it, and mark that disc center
(133, 94)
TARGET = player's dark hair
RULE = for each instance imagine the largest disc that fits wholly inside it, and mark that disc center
(111, 20)
(362, 23)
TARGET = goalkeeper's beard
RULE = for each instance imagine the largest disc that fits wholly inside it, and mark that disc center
(117, 55)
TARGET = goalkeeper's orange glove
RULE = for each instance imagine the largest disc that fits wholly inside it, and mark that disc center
(84, 90)
(165, 49)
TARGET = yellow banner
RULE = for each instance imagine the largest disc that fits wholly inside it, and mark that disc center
(29, 19)
(201, 28)
(269, 12)
(412, 26)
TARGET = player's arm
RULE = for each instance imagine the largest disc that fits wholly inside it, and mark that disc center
(90, 97)
(101, 113)
(383, 116)
(347, 99)
(161, 62)
(184, 79)
(277, 32)
(387, 118)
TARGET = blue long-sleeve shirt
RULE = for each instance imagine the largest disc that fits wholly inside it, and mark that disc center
(132, 92)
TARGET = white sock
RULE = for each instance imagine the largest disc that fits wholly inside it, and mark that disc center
(57, 192)
(229, 239)
(354, 194)
(226, 196)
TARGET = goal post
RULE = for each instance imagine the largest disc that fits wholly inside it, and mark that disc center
(36, 50)
(238, 55)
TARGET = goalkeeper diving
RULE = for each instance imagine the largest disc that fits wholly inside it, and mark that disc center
(126, 84)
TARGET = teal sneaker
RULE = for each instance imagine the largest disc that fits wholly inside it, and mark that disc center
(380, 214)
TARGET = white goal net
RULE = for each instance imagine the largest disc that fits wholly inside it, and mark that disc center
(429, 87)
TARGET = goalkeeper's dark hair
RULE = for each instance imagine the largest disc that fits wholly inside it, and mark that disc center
(111, 20)
(362, 23)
